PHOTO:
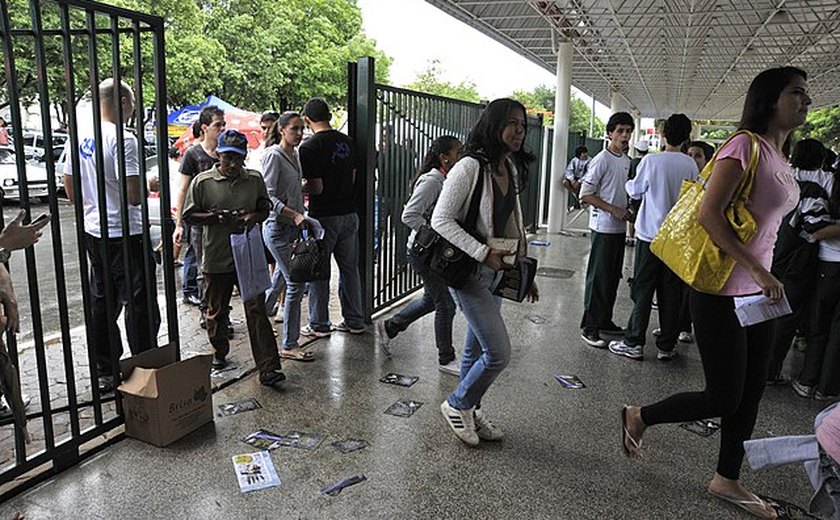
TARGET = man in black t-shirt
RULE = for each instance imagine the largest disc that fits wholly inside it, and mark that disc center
(198, 158)
(328, 161)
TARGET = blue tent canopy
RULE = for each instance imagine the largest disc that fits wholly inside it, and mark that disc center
(188, 114)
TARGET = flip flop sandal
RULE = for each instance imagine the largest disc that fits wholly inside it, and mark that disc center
(625, 436)
(750, 506)
(300, 355)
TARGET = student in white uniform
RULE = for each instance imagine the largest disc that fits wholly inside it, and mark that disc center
(657, 184)
(603, 189)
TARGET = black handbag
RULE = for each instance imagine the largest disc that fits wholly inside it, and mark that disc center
(309, 260)
(445, 261)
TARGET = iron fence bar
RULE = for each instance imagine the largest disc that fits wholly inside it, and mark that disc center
(159, 57)
(74, 32)
(109, 9)
(104, 246)
(17, 129)
(34, 294)
(125, 207)
(71, 156)
(366, 124)
(58, 252)
(47, 457)
(148, 267)
(61, 409)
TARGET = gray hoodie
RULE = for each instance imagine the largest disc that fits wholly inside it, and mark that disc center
(424, 197)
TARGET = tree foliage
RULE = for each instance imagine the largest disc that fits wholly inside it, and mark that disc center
(256, 54)
(823, 124)
(429, 81)
(541, 100)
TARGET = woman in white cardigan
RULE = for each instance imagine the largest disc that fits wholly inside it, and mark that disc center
(496, 141)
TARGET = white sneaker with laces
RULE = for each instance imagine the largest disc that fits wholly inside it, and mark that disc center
(486, 430)
(453, 368)
(382, 338)
(462, 423)
(312, 333)
(620, 348)
(686, 337)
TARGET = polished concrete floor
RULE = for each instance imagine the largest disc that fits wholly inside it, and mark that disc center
(560, 458)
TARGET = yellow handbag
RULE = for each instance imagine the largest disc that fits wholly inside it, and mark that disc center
(685, 246)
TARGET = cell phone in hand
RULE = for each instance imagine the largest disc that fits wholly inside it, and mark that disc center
(39, 219)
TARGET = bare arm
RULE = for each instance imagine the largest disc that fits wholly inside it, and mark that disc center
(720, 189)
(68, 187)
(133, 187)
(598, 202)
(313, 186)
(830, 231)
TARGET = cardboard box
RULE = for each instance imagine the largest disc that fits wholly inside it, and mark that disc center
(165, 399)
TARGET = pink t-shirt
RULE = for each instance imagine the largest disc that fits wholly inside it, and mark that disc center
(774, 194)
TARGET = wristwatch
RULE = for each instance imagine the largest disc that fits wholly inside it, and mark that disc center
(4, 255)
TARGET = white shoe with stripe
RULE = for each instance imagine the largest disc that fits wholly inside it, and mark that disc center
(461, 422)
(486, 430)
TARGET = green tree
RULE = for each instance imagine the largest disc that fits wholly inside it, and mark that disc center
(823, 124)
(428, 81)
(278, 54)
(540, 100)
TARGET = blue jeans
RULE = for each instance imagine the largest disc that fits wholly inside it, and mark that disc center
(487, 347)
(435, 298)
(278, 237)
(341, 239)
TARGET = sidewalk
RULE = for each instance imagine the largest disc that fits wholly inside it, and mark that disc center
(561, 457)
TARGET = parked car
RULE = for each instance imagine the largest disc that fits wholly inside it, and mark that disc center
(36, 176)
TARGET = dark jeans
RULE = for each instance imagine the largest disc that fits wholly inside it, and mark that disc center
(603, 273)
(192, 266)
(684, 321)
(822, 358)
(651, 275)
(735, 363)
(218, 290)
(800, 295)
(131, 294)
(436, 297)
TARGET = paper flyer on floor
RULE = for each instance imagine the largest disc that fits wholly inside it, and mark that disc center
(255, 471)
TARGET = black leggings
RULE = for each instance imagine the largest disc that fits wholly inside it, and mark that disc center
(735, 362)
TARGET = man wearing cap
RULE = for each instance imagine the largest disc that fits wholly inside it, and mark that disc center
(225, 200)
(105, 242)
(328, 162)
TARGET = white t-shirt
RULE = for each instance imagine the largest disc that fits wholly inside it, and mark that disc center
(657, 183)
(87, 168)
(605, 177)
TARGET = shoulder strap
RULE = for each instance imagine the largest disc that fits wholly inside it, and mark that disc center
(475, 200)
(745, 188)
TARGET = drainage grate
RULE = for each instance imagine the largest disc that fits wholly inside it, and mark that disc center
(555, 272)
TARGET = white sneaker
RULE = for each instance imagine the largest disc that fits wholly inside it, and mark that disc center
(382, 338)
(666, 355)
(485, 429)
(686, 337)
(620, 348)
(656, 332)
(344, 327)
(462, 423)
(312, 333)
(453, 367)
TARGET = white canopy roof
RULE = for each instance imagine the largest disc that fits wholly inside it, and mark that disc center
(666, 56)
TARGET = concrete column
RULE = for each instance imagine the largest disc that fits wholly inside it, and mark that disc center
(562, 112)
(695, 131)
(616, 104)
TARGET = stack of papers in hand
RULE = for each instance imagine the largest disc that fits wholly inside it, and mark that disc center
(759, 308)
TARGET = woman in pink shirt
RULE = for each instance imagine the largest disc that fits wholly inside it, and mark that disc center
(736, 359)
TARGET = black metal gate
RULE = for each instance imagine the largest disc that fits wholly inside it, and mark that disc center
(55, 54)
(394, 128)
